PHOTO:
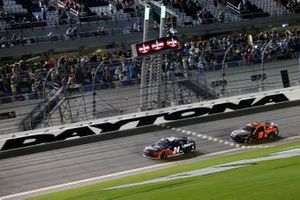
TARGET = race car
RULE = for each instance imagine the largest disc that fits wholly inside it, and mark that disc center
(255, 131)
(169, 147)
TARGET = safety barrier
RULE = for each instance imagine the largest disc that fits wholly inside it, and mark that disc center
(80, 133)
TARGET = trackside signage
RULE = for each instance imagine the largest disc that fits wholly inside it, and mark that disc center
(193, 110)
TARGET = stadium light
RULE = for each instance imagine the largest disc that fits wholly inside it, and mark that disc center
(146, 21)
(147, 13)
(163, 12)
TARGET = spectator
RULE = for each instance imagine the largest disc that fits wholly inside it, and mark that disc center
(44, 13)
(13, 83)
(51, 36)
(72, 79)
(71, 33)
(101, 31)
(155, 25)
(221, 17)
(202, 55)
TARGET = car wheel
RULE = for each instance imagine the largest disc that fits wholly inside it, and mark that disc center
(248, 141)
(274, 134)
(163, 156)
(187, 151)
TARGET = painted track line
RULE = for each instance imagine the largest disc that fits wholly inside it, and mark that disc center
(98, 178)
(212, 139)
(107, 177)
(137, 170)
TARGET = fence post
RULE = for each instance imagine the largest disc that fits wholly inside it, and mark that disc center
(298, 68)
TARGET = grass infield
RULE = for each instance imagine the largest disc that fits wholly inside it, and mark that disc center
(276, 179)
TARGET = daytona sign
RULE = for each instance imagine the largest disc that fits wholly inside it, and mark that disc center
(104, 127)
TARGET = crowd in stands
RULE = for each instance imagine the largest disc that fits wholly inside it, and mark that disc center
(132, 25)
(72, 11)
(210, 53)
(35, 13)
(19, 20)
(15, 40)
(28, 77)
(81, 9)
(193, 9)
(292, 5)
(26, 18)
(69, 9)
(207, 54)
(247, 9)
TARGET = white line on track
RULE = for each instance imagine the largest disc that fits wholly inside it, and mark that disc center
(104, 177)
(212, 139)
(293, 137)
(98, 178)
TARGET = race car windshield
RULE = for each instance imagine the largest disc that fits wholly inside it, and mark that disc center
(163, 143)
(248, 128)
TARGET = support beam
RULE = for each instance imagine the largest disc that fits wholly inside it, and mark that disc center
(162, 21)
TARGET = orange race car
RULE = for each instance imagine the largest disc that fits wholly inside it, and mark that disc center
(255, 131)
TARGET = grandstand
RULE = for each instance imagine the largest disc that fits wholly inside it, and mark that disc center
(18, 14)
(88, 18)
(190, 74)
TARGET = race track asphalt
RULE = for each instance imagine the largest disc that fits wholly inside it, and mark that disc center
(55, 167)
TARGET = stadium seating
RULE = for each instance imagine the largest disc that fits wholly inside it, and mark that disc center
(28, 5)
(19, 14)
(190, 13)
(271, 7)
(21, 108)
(229, 16)
(291, 5)
(246, 10)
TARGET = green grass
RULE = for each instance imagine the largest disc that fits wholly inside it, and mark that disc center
(277, 179)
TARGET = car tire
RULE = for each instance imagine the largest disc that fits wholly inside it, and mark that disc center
(274, 134)
(249, 141)
(163, 156)
(187, 151)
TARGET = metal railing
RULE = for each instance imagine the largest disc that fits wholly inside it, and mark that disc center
(183, 21)
(40, 112)
(122, 97)
(118, 62)
(125, 30)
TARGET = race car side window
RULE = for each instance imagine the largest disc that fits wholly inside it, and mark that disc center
(174, 144)
(259, 129)
(182, 142)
